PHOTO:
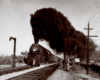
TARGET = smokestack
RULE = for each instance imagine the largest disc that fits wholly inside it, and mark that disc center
(36, 39)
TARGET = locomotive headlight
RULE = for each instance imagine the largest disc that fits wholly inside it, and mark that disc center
(34, 49)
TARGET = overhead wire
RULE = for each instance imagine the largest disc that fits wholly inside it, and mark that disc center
(93, 24)
(95, 15)
(97, 25)
(97, 20)
(94, 11)
(98, 32)
(83, 19)
(92, 16)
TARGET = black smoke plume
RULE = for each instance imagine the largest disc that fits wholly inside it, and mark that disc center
(52, 26)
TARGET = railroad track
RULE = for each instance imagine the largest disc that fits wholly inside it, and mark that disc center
(39, 74)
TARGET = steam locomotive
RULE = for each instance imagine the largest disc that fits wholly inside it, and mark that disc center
(39, 55)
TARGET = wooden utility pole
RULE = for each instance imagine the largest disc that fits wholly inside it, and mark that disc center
(64, 62)
(13, 64)
(88, 47)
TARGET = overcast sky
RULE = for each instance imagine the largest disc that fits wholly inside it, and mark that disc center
(15, 20)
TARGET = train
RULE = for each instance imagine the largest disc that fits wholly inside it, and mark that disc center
(39, 55)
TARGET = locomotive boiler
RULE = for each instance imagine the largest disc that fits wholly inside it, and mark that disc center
(39, 55)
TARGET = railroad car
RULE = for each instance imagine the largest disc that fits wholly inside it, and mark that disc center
(39, 55)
